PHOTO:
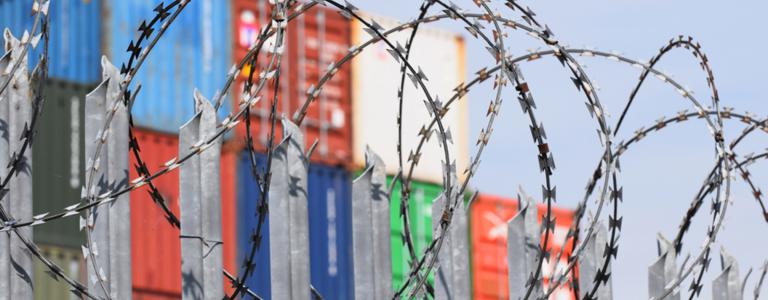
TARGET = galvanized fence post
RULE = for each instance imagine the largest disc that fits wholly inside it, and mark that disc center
(728, 285)
(111, 223)
(452, 274)
(15, 113)
(289, 218)
(371, 249)
(663, 271)
(523, 239)
(590, 263)
(200, 206)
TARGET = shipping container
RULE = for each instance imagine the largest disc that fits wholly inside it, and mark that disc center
(71, 262)
(488, 233)
(313, 41)
(57, 175)
(155, 245)
(420, 218)
(75, 36)
(190, 55)
(330, 233)
(375, 82)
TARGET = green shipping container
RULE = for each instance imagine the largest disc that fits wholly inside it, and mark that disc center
(70, 261)
(58, 162)
(420, 217)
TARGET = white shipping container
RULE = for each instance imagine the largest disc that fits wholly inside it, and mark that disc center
(375, 80)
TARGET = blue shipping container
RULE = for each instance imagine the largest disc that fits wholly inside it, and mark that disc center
(330, 229)
(75, 36)
(195, 52)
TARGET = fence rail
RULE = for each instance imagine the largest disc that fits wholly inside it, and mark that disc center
(104, 209)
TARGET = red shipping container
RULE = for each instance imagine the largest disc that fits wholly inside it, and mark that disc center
(488, 224)
(155, 245)
(315, 40)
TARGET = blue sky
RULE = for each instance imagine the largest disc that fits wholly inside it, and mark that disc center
(660, 175)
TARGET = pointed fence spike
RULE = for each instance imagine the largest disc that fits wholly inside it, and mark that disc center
(371, 250)
(663, 271)
(288, 218)
(589, 264)
(452, 276)
(200, 204)
(727, 285)
(111, 227)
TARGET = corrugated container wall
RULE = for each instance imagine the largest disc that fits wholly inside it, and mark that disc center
(488, 218)
(155, 245)
(376, 79)
(330, 233)
(57, 175)
(75, 36)
(71, 263)
(420, 217)
(191, 54)
(314, 40)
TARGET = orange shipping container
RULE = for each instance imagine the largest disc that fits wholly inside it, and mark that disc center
(314, 40)
(155, 245)
(488, 218)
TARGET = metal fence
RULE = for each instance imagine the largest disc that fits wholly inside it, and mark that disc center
(104, 212)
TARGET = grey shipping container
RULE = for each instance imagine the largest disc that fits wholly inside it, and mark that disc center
(75, 36)
(58, 162)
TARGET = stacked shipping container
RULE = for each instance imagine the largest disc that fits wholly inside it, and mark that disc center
(375, 82)
(56, 181)
(189, 56)
(376, 78)
(155, 245)
(71, 263)
(75, 36)
(488, 230)
(57, 177)
(330, 193)
(314, 40)
(420, 217)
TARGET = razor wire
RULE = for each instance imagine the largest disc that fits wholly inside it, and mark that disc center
(607, 168)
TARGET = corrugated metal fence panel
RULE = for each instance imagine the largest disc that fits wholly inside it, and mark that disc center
(488, 224)
(330, 229)
(376, 79)
(190, 55)
(420, 216)
(75, 44)
(71, 263)
(155, 245)
(313, 41)
(58, 161)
